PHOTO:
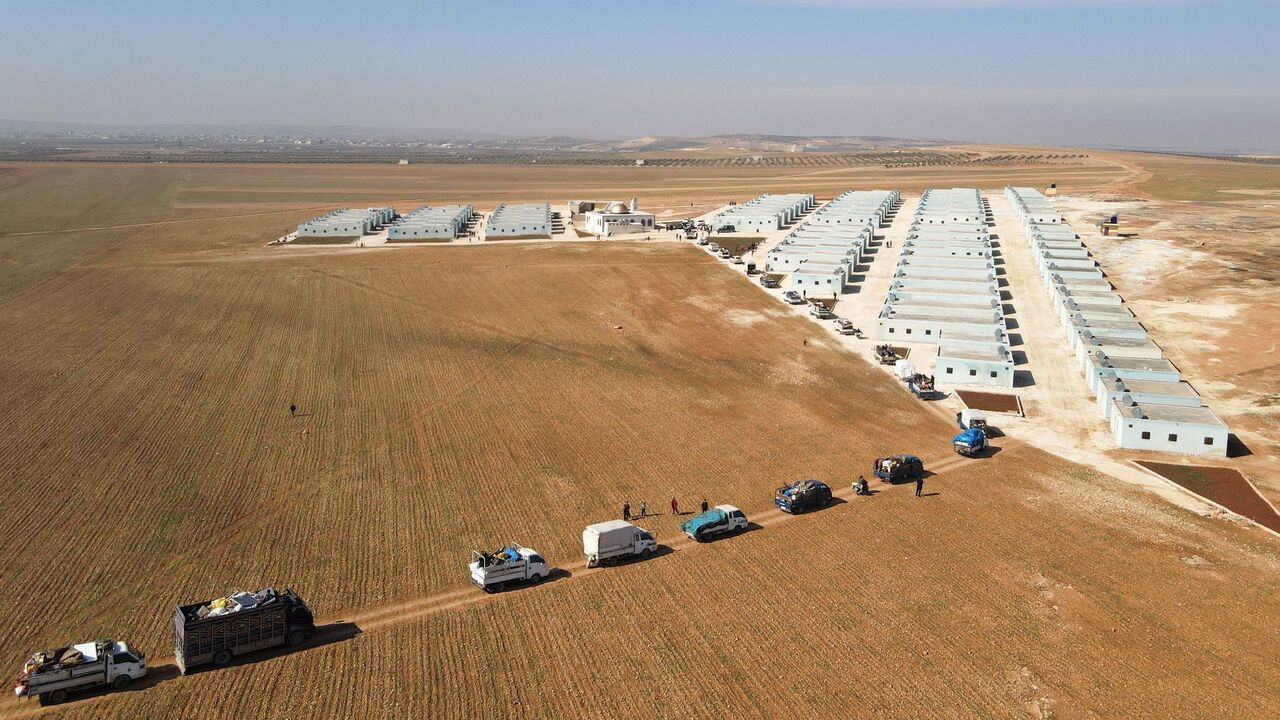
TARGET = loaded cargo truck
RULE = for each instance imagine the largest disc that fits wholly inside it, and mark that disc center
(719, 520)
(802, 495)
(896, 468)
(608, 542)
(492, 571)
(971, 442)
(970, 418)
(217, 631)
(52, 675)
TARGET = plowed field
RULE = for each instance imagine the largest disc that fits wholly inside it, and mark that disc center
(459, 397)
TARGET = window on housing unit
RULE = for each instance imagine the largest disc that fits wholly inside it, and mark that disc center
(950, 371)
(1173, 437)
(928, 332)
(1145, 435)
(908, 331)
(993, 373)
(1208, 441)
(973, 373)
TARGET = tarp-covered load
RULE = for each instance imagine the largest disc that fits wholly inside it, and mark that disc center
(709, 519)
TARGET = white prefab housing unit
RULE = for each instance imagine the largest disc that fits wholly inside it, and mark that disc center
(532, 220)
(1139, 391)
(1168, 428)
(765, 213)
(432, 222)
(969, 364)
(815, 278)
(347, 223)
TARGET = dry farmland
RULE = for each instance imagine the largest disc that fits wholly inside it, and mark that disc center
(457, 397)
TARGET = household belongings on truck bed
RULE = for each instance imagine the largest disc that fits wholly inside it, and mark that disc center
(234, 602)
(69, 656)
(498, 557)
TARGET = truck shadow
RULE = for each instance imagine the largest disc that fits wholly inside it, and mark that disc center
(327, 634)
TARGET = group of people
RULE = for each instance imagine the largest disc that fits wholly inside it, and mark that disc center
(644, 508)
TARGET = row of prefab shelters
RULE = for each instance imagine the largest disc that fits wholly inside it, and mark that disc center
(945, 291)
(519, 220)
(1139, 391)
(821, 254)
(347, 223)
(764, 213)
(432, 222)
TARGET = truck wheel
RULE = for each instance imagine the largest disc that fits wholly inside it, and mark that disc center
(222, 658)
(57, 697)
(535, 579)
(645, 553)
(296, 638)
(121, 682)
(497, 587)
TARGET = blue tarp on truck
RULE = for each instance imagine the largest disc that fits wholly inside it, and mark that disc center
(710, 518)
(970, 442)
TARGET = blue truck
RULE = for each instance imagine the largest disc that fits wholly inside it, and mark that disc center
(971, 442)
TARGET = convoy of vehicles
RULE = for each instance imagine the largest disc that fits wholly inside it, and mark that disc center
(801, 496)
(219, 630)
(719, 520)
(52, 675)
(608, 542)
(493, 571)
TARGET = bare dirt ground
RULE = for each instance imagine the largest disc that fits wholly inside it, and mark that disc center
(456, 397)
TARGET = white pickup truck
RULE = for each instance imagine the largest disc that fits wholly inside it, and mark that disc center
(491, 571)
(52, 675)
(608, 542)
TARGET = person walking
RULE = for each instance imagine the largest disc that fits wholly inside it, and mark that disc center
(919, 485)
(675, 506)
(644, 508)
(626, 510)
(704, 504)
(293, 411)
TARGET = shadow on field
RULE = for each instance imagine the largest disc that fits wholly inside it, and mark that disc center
(327, 634)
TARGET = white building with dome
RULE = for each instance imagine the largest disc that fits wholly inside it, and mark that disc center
(617, 218)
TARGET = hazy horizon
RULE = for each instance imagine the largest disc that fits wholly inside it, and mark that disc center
(1191, 75)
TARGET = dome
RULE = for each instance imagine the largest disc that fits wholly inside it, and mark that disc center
(617, 208)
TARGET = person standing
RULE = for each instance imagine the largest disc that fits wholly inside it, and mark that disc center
(644, 508)
(293, 411)
(626, 510)
(919, 484)
(704, 504)
(675, 506)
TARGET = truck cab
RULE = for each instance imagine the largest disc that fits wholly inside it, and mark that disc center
(802, 495)
(52, 675)
(492, 571)
(719, 520)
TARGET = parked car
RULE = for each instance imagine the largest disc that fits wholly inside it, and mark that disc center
(793, 297)
(844, 326)
(719, 520)
(714, 248)
(769, 281)
(703, 240)
(725, 254)
(726, 228)
(736, 260)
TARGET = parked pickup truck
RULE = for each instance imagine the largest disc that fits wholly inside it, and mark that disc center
(608, 542)
(52, 675)
(802, 495)
(897, 468)
(970, 443)
(820, 311)
(792, 297)
(719, 520)
(491, 571)
(768, 281)
(844, 326)
(216, 631)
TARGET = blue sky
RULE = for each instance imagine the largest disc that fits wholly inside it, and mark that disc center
(1153, 73)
